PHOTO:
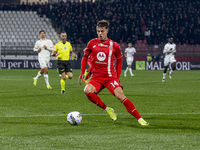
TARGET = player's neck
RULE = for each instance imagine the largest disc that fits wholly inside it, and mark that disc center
(43, 38)
(104, 40)
(63, 42)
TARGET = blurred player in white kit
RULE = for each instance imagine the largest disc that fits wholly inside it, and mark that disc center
(129, 54)
(169, 51)
(44, 47)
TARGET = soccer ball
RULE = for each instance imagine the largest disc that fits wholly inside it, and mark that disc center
(74, 118)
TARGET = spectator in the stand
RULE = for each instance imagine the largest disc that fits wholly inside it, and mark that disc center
(149, 57)
(147, 34)
(163, 18)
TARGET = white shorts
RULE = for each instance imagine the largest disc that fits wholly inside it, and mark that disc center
(129, 61)
(168, 60)
(43, 62)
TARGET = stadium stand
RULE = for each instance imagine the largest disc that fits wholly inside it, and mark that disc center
(146, 23)
(20, 29)
(131, 20)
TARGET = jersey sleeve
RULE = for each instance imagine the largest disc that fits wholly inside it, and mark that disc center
(50, 47)
(36, 47)
(125, 50)
(175, 48)
(88, 49)
(165, 49)
(118, 53)
(56, 48)
(70, 47)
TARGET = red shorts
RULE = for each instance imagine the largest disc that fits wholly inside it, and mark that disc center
(111, 83)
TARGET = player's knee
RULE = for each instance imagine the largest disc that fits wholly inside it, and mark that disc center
(165, 69)
(88, 89)
(70, 76)
(120, 96)
(42, 71)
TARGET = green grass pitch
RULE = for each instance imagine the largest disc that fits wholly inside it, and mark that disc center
(34, 118)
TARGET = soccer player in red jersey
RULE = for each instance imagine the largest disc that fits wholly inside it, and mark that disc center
(104, 52)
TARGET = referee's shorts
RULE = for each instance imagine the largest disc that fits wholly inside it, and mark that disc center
(64, 66)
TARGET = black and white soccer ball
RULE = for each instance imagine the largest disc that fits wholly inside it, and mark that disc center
(74, 118)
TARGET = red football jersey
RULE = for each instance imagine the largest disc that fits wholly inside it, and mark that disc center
(89, 61)
(103, 57)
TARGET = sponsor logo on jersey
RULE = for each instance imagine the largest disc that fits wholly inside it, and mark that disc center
(101, 56)
(94, 46)
(103, 45)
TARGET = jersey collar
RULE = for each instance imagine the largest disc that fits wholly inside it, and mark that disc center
(104, 41)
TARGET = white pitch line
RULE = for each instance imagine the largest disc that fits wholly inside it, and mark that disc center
(56, 115)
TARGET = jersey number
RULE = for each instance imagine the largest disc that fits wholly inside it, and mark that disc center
(114, 84)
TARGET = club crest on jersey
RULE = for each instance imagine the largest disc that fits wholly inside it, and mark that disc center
(103, 45)
(101, 56)
(64, 47)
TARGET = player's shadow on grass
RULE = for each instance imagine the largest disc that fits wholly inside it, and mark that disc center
(164, 123)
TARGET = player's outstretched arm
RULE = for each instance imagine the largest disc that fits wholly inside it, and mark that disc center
(83, 67)
(73, 55)
(165, 50)
(119, 67)
(125, 54)
(174, 51)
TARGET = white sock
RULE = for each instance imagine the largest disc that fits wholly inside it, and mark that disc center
(130, 70)
(164, 75)
(140, 119)
(106, 109)
(171, 72)
(46, 78)
(126, 70)
(38, 75)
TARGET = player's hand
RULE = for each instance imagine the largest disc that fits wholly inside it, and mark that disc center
(45, 46)
(57, 54)
(39, 50)
(168, 52)
(81, 77)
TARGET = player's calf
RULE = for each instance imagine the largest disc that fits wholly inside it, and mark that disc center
(164, 73)
(173, 67)
(172, 70)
